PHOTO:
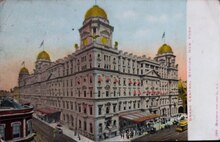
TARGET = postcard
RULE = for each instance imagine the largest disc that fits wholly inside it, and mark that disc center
(100, 70)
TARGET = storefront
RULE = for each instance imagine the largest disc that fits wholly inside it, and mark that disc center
(137, 120)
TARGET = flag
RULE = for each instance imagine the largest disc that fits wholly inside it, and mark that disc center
(163, 36)
(22, 63)
(42, 43)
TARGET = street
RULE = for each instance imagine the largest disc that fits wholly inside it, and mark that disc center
(169, 134)
(45, 133)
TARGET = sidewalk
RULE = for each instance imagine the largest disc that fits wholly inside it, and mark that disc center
(119, 138)
(67, 131)
(70, 133)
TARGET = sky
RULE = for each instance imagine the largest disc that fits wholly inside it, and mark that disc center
(138, 28)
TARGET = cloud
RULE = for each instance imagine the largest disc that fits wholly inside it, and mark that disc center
(127, 15)
(157, 19)
(141, 33)
(178, 16)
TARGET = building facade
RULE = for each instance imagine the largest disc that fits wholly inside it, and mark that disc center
(15, 121)
(97, 83)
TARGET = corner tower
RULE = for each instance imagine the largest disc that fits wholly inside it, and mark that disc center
(43, 60)
(96, 28)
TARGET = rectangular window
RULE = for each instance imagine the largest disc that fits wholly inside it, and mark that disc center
(99, 93)
(94, 30)
(90, 93)
(114, 108)
(85, 126)
(29, 126)
(80, 124)
(107, 93)
(71, 105)
(90, 110)
(84, 93)
(79, 108)
(85, 111)
(16, 130)
(2, 131)
(100, 110)
(91, 129)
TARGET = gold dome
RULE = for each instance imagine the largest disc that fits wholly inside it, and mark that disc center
(96, 11)
(181, 84)
(165, 49)
(24, 71)
(43, 55)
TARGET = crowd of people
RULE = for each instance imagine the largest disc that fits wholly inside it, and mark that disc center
(132, 132)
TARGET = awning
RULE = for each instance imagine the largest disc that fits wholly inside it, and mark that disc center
(138, 117)
(47, 110)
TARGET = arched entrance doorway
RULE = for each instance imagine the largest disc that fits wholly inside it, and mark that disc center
(180, 110)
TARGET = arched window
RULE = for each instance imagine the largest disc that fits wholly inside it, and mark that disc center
(114, 123)
(107, 109)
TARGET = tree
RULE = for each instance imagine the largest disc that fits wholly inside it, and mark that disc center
(182, 90)
(76, 46)
(116, 45)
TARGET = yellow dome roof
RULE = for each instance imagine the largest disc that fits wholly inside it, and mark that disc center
(96, 11)
(43, 55)
(165, 49)
(24, 71)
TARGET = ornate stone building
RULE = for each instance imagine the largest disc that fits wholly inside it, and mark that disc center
(98, 85)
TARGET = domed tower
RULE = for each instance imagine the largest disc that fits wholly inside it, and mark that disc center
(22, 74)
(96, 28)
(43, 60)
(167, 60)
(165, 55)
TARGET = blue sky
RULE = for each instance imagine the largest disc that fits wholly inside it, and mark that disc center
(138, 27)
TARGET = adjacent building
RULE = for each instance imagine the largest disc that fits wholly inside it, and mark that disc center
(15, 121)
(98, 86)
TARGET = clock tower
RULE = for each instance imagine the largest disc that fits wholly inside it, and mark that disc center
(96, 29)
